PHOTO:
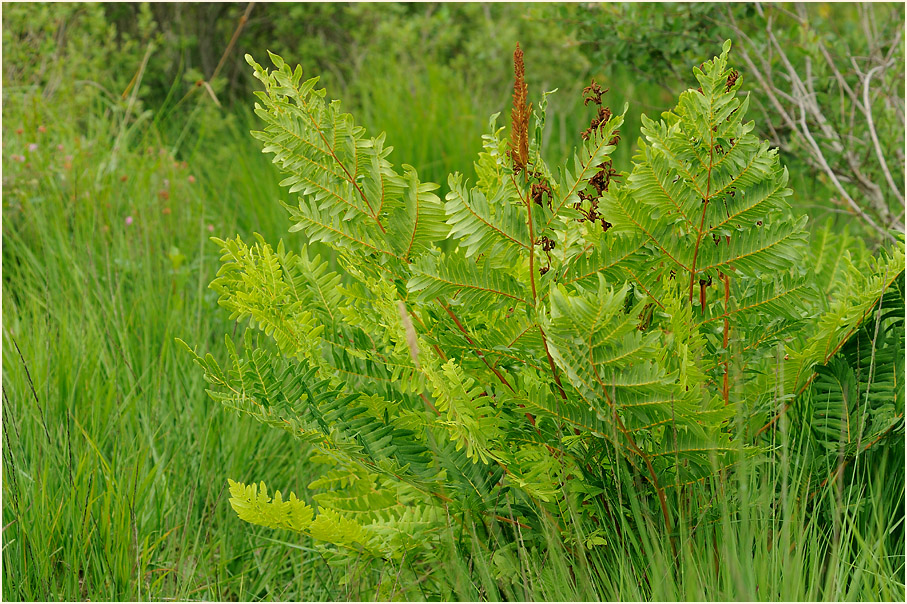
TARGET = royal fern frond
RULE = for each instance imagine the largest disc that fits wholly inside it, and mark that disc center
(579, 325)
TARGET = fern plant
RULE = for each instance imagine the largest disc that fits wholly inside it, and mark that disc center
(507, 353)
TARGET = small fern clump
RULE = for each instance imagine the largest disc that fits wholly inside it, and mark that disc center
(518, 351)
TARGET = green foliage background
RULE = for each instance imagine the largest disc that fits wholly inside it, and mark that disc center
(114, 178)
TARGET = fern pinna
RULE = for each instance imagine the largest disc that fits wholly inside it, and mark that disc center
(516, 348)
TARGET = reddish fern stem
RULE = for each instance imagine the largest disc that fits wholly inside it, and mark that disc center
(658, 489)
(557, 379)
(473, 344)
(528, 202)
(435, 346)
(705, 205)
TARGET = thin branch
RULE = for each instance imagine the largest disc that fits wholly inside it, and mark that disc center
(768, 88)
(242, 22)
(834, 178)
(867, 111)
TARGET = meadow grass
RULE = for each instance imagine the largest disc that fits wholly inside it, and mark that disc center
(115, 459)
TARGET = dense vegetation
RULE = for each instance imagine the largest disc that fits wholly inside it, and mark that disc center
(614, 378)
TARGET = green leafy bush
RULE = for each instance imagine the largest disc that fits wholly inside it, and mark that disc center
(508, 357)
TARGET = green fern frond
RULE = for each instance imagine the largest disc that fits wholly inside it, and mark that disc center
(616, 369)
(472, 282)
(706, 194)
(417, 223)
(470, 414)
(256, 283)
(350, 195)
(252, 504)
(857, 397)
(494, 227)
(835, 326)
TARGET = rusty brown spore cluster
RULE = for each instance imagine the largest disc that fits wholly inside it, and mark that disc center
(593, 94)
(547, 245)
(540, 191)
(601, 180)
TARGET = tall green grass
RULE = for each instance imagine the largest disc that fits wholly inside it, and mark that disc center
(776, 540)
(114, 458)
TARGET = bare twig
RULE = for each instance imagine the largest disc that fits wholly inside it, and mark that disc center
(794, 95)
(239, 28)
(834, 178)
(867, 111)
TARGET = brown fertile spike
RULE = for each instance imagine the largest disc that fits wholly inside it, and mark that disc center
(524, 135)
(519, 115)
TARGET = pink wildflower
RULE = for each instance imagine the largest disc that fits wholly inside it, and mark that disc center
(191, 179)
(210, 228)
(128, 220)
(33, 147)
